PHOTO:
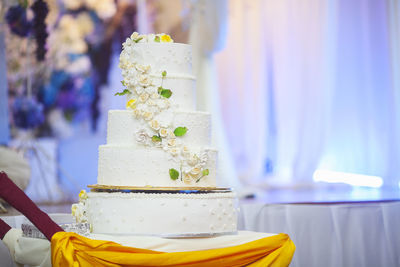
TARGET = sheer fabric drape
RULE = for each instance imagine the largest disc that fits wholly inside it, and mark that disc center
(311, 84)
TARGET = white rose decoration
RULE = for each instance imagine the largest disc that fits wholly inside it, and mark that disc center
(142, 68)
(154, 124)
(139, 89)
(163, 132)
(195, 172)
(150, 102)
(151, 90)
(163, 104)
(147, 115)
(185, 152)
(144, 80)
(172, 142)
(174, 151)
(142, 137)
(137, 113)
(187, 179)
(143, 97)
(171, 134)
(203, 157)
(135, 36)
(193, 160)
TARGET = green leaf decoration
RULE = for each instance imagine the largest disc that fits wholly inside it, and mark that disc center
(180, 131)
(157, 39)
(156, 138)
(138, 39)
(174, 174)
(206, 172)
(166, 93)
(164, 73)
(123, 83)
(125, 92)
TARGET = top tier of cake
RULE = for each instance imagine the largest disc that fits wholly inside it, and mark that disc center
(160, 140)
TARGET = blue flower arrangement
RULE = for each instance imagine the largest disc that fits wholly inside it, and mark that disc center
(27, 112)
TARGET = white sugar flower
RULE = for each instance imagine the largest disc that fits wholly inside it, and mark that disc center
(144, 80)
(150, 37)
(187, 179)
(143, 97)
(163, 132)
(142, 137)
(151, 90)
(150, 102)
(193, 159)
(137, 113)
(154, 124)
(172, 142)
(154, 95)
(195, 172)
(142, 68)
(171, 134)
(163, 104)
(139, 89)
(147, 115)
(185, 152)
(135, 35)
(203, 157)
(174, 151)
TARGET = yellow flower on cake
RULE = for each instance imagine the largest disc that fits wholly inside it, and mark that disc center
(131, 104)
(83, 195)
(165, 38)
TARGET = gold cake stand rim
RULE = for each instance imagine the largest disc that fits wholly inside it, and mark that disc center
(154, 188)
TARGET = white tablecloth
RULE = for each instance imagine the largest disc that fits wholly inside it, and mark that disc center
(36, 252)
(352, 234)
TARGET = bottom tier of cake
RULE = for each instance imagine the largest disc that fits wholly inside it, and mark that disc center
(169, 214)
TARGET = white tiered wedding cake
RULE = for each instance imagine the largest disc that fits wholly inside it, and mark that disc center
(157, 172)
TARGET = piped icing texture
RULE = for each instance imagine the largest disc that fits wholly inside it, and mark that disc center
(140, 213)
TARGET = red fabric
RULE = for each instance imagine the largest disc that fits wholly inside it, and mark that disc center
(14, 196)
(4, 228)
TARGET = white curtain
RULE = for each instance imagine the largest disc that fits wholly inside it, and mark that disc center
(311, 84)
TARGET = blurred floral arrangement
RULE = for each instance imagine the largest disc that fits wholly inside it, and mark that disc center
(49, 48)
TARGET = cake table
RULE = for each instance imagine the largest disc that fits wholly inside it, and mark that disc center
(278, 248)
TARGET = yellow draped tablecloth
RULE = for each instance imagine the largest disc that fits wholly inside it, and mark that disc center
(70, 249)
